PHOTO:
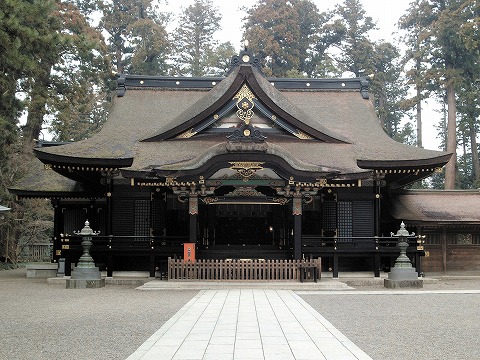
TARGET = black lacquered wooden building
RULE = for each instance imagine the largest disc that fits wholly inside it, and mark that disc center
(244, 166)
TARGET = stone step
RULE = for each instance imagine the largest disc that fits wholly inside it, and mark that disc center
(324, 284)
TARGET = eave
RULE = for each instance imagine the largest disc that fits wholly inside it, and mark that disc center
(90, 162)
(399, 173)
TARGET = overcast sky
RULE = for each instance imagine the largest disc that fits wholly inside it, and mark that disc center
(384, 12)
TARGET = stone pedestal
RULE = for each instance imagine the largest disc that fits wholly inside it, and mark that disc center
(403, 278)
(398, 284)
(85, 283)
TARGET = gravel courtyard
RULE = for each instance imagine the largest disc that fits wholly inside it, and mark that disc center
(41, 321)
(415, 326)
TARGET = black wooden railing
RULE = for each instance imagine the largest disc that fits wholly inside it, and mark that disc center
(371, 247)
(313, 246)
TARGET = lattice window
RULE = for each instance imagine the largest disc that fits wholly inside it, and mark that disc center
(475, 239)
(345, 220)
(123, 220)
(363, 223)
(142, 217)
(329, 215)
(73, 220)
(433, 239)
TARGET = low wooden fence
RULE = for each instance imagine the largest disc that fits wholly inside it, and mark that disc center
(243, 269)
(37, 252)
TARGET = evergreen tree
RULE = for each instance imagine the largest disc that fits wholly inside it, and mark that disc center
(292, 37)
(69, 85)
(193, 39)
(389, 93)
(356, 46)
(446, 35)
(416, 58)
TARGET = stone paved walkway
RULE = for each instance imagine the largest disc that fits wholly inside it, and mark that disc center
(248, 324)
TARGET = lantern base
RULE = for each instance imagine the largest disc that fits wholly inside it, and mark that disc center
(394, 284)
(402, 273)
(86, 273)
(85, 283)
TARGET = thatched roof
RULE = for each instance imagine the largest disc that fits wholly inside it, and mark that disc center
(437, 207)
(344, 135)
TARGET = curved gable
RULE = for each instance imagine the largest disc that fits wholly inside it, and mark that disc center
(244, 82)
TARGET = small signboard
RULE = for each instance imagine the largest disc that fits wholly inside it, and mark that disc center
(189, 252)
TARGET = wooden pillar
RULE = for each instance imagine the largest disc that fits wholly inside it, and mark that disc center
(335, 265)
(193, 211)
(376, 207)
(376, 225)
(109, 221)
(444, 249)
(297, 226)
(376, 261)
(57, 244)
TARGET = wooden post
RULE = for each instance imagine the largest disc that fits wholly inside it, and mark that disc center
(376, 261)
(444, 249)
(376, 207)
(335, 265)
(297, 226)
(108, 225)
(193, 211)
(57, 244)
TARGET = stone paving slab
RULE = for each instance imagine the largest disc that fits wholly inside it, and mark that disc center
(248, 324)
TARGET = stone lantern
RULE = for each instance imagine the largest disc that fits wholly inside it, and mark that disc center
(403, 273)
(86, 274)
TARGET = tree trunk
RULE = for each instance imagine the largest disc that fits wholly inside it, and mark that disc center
(419, 109)
(475, 159)
(36, 109)
(451, 136)
(419, 119)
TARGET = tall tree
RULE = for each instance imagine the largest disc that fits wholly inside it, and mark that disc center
(273, 32)
(118, 16)
(23, 29)
(193, 39)
(71, 75)
(15, 62)
(293, 37)
(356, 47)
(388, 92)
(416, 58)
(45, 51)
(440, 27)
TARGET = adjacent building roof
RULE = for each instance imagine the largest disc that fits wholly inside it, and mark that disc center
(437, 207)
(40, 182)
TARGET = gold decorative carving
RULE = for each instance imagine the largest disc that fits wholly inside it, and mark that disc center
(301, 135)
(187, 134)
(209, 200)
(246, 169)
(245, 191)
(281, 201)
(245, 104)
(193, 204)
(297, 205)
(48, 166)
